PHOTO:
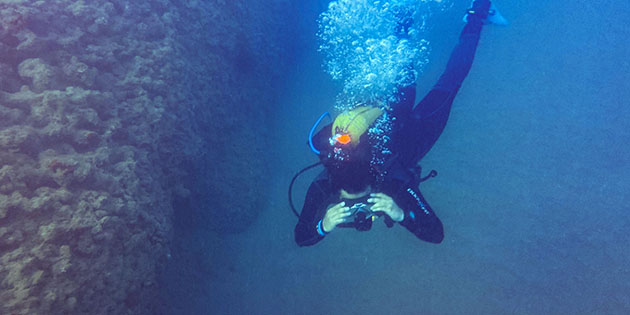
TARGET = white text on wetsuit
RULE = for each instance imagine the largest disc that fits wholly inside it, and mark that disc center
(415, 196)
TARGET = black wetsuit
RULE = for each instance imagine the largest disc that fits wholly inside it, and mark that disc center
(419, 129)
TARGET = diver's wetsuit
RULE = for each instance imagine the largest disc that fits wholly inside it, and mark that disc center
(413, 139)
(419, 218)
(427, 119)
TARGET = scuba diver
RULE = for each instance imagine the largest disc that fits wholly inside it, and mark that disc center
(353, 191)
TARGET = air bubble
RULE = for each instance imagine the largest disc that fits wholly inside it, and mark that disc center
(360, 40)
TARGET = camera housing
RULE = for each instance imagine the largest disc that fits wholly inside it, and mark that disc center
(361, 215)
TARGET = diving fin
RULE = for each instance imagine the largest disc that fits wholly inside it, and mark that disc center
(494, 16)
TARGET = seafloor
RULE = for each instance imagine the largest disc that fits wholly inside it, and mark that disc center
(146, 148)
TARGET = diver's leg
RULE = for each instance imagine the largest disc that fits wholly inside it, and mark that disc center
(406, 97)
(431, 113)
(419, 135)
(459, 63)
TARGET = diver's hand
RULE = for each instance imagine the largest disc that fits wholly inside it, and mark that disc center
(335, 215)
(385, 203)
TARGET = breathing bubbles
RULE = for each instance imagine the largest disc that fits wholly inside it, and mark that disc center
(373, 47)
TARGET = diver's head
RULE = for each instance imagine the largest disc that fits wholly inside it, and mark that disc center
(353, 177)
(350, 168)
(348, 131)
(349, 159)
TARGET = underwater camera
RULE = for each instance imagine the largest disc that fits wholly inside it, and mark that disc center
(361, 216)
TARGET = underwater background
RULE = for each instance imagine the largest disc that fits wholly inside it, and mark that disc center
(146, 150)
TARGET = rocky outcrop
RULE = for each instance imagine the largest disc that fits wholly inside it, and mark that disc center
(85, 215)
(103, 107)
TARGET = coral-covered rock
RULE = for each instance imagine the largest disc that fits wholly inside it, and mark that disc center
(39, 73)
(19, 139)
(74, 227)
(10, 116)
(6, 81)
(78, 73)
(107, 110)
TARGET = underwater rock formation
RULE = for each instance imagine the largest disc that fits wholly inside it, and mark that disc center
(234, 57)
(102, 110)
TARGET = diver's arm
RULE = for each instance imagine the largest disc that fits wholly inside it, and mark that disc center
(335, 215)
(419, 218)
(386, 204)
(308, 230)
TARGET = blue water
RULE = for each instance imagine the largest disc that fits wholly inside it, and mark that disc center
(532, 186)
(146, 149)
